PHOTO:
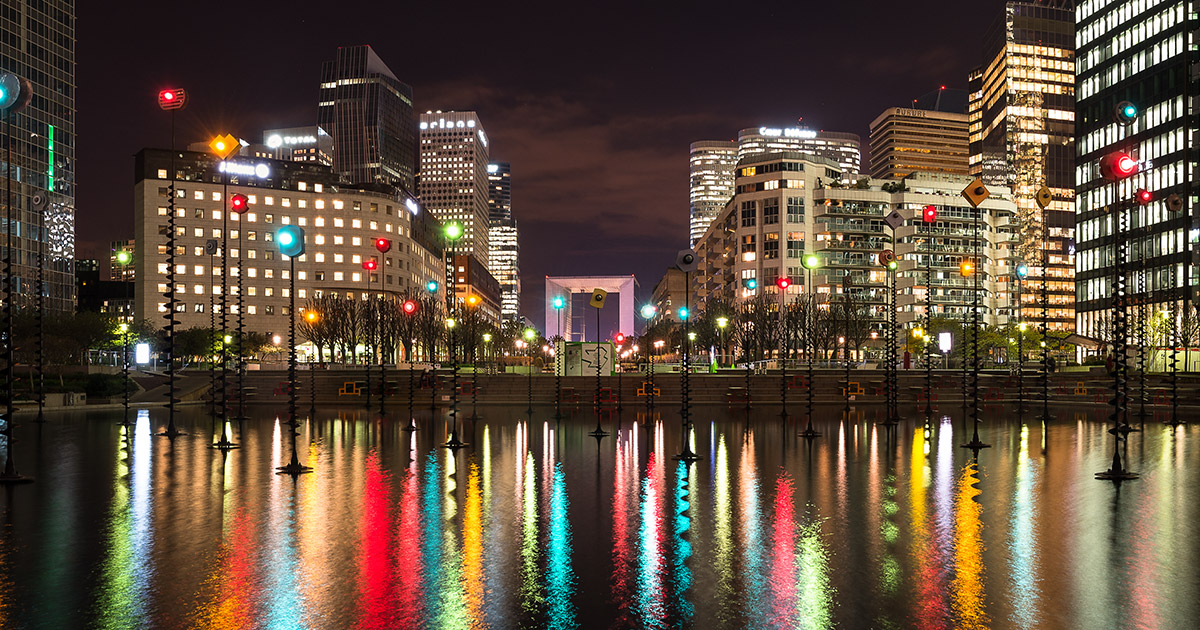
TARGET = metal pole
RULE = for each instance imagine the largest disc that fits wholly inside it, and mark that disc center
(172, 300)
(686, 453)
(10, 467)
(372, 323)
(241, 328)
(929, 324)
(783, 332)
(810, 347)
(294, 467)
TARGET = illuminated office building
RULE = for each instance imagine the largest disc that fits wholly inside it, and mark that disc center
(1022, 130)
(906, 141)
(782, 211)
(711, 164)
(453, 183)
(844, 149)
(504, 250)
(37, 42)
(341, 224)
(369, 114)
(1138, 52)
(298, 144)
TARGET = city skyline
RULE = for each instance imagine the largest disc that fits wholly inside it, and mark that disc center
(604, 136)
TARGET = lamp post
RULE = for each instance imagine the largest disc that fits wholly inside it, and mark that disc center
(975, 193)
(529, 336)
(369, 265)
(431, 286)
(171, 100)
(239, 204)
(1022, 272)
(559, 303)
(311, 317)
(648, 311)
(783, 283)
(929, 218)
(383, 246)
(620, 339)
(472, 315)
(722, 322)
(452, 233)
(410, 308)
(224, 147)
(290, 240)
(810, 263)
(124, 328)
(123, 258)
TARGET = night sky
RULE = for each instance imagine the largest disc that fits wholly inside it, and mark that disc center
(594, 104)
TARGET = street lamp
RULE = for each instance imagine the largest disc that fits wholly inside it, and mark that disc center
(224, 147)
(529, 335)
(559, 303)
(290, 240)
(311, 317)
(783, 283)
(452, 233)
(810, 262)
(124, 328)
(472, 315)
(410, 308)
(722, 322)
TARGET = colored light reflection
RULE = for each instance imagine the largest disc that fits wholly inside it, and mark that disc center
(649, 600)
(682, 575)
(376, 602)
(560, 575)
(1023, 539)
(968, 598)
(783, 562)
(127, 570)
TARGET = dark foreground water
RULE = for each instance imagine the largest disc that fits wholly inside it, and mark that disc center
(538, 525)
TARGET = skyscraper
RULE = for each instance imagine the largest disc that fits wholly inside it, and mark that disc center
(1022, 120)
(369, 114)
(38, 44)
(843, 148)
(712, 163)
(454, 179)
(905, 141)
(1138, 52)
(504, 251)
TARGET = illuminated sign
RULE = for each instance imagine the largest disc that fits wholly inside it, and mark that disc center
(411, 205)
(275, 140)
(141, 353)
(791, 132)
(442, 123)
(260, 171)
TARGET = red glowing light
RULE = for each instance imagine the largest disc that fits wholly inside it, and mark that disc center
(1143, 196)
(409, 307)
(620, 338)
(783, 283)
(930, 214)
(239, 203)
(369, 264)
(383, 245)
(173, 98)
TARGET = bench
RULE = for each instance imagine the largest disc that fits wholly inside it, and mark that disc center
(853, 388)
(350, 388)
(282, 389)
(737, 394)
(569, 395)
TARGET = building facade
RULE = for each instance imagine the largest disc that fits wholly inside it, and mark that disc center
(1023, 133)
(298, 144)
(906, 141)
(38, 44)
(471, 279)
(844, 149)
(454, 178)
(1137, 52)
(340, 222)
(784, 208)
(711, 163)
(369, 114)
(504, 248)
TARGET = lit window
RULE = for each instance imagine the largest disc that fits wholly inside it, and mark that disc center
(199, 270)
(338, 276)
(356, 259)
(337, 204)
(319, 222)
(252, 272)
(337, 258)
(356, 277)
(338, 222)
(198, 289)
(319, 239)
(319, 257)
(216, 196)
(356, 241)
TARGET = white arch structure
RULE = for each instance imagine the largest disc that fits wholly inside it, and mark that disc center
(566, 286)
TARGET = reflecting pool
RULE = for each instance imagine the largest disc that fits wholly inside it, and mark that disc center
(537, 524)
